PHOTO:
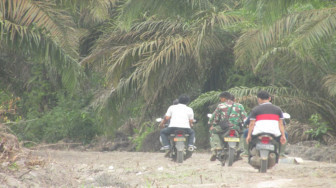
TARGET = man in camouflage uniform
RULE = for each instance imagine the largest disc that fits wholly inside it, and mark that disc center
(237, 117)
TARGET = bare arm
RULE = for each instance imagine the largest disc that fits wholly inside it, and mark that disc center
(249, 134)
(191, 121)
(165, 119)
(282, 130)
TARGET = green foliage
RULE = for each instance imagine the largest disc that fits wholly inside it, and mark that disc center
(67, 120)
(13, 167)
(8, 107)
(201, 129)
(42, 33)
(202, 103)
(140, 54)
(114, 115)
(142, 132)
(319, 128)
(40, 94)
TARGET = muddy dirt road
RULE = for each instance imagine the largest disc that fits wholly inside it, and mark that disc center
(139, 169)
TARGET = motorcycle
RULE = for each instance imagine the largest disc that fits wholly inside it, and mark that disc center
(178, 142)
(264, 150)
(229, 145)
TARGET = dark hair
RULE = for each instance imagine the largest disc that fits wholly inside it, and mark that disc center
(232, 97)
(183, 99)
(263, 95)
(225, 94)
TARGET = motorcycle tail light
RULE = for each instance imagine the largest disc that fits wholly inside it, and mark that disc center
(265, 140)
(232, 132)
(179, 134)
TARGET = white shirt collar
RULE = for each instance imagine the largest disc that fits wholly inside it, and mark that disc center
(266, 103)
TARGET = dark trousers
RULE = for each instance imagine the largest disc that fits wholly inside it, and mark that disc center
(164, 133)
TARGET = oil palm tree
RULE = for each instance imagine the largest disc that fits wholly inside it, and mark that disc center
(89, 13)
(295, 51)
(39, 31)
(152, 53)
(163, 48)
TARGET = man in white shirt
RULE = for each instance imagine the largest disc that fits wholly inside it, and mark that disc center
(181, 117)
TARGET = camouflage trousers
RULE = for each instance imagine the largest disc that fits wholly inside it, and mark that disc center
(215, 137)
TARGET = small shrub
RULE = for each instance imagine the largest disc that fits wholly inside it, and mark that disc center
(318, 129)
(13, 167)
(145, 129)
(65, 121)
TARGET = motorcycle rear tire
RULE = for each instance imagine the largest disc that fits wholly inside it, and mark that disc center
(231, 156)
(179, 156)
(263, 166)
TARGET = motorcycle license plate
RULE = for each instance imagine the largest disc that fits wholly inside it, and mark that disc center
(179, 139)
(231, 139)
(265, 146)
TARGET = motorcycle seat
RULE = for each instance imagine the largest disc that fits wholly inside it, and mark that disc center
(255, 137)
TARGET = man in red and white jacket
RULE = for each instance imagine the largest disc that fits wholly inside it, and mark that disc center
(266, 118)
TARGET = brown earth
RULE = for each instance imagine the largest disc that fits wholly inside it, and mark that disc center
(72, 165)
(70, 168)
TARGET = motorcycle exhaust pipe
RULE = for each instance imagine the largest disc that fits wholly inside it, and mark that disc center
(191, 148)
(255, 162)
(271, 160)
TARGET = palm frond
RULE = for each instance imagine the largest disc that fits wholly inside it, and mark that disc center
(330, 84)
(31, 27)
(298, 32)
(97, 11)
(205, 100)
(253, 43)
(268, 11)
(28, 17)
(300, 104)
(151, 48)
(137, 10)
(318, 26)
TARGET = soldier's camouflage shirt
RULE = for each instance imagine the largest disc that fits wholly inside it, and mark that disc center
(237, 115)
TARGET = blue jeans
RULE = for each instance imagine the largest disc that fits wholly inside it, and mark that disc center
(168, 130)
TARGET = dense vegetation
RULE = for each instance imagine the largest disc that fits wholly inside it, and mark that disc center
(78, 69)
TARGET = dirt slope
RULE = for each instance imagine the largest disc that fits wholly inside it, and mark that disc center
(141, 169)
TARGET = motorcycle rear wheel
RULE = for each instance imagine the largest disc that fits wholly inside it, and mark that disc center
(231, 156)
(263, 166)
(179, 156)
